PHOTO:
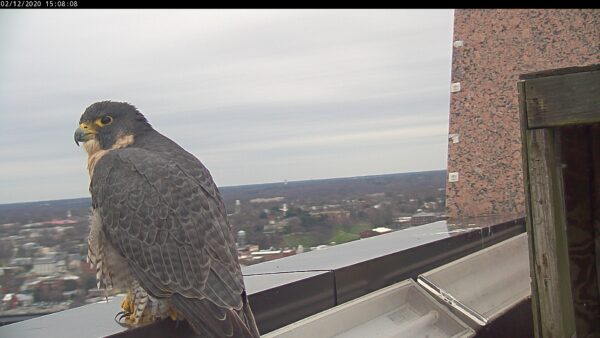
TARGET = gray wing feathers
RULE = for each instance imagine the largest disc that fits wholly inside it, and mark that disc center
(171, 226)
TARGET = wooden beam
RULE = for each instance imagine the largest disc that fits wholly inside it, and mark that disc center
(535, 309)
(547, 223)
(559, 71)
(564, 99)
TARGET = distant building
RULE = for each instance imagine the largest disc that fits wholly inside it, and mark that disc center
(403, 220)
(21, 261)
(375, 232)
(14, 300)
(421, 218)
(269, 255)
(241, 237)
(238, 207)
(49, 265)
(10, 270)
(245, 255)
(430, 205)
(267, 200)
(54, 288)
(332, 215)
(29, 249)
(73, 261)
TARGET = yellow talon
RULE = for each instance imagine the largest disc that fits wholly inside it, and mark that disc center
(127, 304)
(129, 309)
(131, 318)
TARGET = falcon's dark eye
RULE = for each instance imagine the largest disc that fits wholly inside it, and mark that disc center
(104, 121)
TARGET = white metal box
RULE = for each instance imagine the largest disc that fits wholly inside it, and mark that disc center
(482, 286)
(400, 310)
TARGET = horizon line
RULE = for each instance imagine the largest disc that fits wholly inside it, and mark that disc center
(246, 185)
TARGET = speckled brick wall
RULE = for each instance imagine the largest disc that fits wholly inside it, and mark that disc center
(497, 46)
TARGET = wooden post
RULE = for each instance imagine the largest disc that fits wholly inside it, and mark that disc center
(535, 308)
(548, 237)
(562, 241)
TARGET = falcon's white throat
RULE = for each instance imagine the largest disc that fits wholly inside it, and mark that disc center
(95, 151)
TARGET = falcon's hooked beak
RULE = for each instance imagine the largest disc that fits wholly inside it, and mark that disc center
(84, 133)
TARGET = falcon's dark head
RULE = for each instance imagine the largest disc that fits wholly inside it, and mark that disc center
(109, 123)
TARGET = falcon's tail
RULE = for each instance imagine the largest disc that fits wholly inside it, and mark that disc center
(210, 320)
(249, 316)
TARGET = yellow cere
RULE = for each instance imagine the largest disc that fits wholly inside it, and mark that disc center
(88, 128)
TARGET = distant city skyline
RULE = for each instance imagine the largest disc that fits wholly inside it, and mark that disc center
(259, 96)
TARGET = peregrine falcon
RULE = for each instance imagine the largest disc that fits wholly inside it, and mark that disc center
(159, 227)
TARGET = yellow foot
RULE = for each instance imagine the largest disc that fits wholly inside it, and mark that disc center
(127, 304)
(127, 316)
(125, 319)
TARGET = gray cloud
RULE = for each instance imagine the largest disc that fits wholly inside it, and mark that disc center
(257, 95)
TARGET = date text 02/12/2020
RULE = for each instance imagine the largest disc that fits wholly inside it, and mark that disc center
(38, 4)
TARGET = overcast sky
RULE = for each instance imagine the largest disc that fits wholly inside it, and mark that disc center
(257, 95)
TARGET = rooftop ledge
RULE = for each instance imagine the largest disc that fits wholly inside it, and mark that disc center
(286, 290)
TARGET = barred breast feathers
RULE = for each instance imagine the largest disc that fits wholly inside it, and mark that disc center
(96, 253)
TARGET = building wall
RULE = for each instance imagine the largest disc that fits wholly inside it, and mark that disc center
(44, 268)
(497, 47)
